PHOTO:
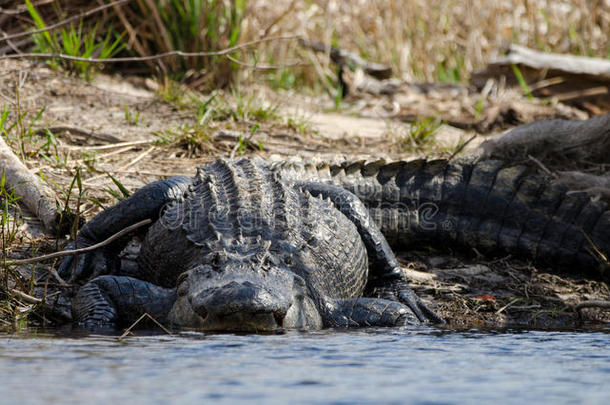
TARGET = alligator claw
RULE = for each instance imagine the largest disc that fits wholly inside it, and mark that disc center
(397, 290)
(419, 308)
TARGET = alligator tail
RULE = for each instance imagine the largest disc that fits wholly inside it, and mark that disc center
(488, 205)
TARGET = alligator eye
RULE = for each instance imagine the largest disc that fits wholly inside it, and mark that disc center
(183, 289)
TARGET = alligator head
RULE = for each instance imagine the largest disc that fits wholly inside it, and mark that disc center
(242, 297)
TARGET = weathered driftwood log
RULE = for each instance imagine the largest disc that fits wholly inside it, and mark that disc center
(600, 68)
(33, 192)
(588, 139)
(567, 78)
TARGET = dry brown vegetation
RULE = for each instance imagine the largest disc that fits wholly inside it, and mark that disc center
(434, 39)
(427, 40)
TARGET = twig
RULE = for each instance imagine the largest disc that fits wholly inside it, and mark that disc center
(78, 131)
(240, 141)
(137, 159)
(222, 52)
(162, 31)
(20, 9)
(12, 46)
(133, 37)
(90, 181)
(547, 83)
(64, 22)
(593, 304)
(113, 153)
(279, 18)
(499, 311)
(601, 256)
(117, 145)
(571, 95)
(81, 250)
(144, 315)
(461, 147)
(263, 67)
(542, 166)
(26, 297)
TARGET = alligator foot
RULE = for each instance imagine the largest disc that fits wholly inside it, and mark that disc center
(107, 299)
(360, 312)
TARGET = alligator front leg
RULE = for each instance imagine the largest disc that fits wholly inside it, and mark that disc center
(113, 300)
(145, 203)
(362, 312)
(385, 269)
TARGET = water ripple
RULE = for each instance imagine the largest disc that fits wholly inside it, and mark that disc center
(420, 365)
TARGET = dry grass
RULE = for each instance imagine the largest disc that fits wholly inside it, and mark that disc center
(432, 39)
(421, 39)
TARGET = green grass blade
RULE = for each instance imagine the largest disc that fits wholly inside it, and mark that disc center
(38, 22)
(521, 80)
(120, 186)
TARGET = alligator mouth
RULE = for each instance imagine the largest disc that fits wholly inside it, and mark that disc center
(244, 322)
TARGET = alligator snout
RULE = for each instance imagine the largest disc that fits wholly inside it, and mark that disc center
(241, 306)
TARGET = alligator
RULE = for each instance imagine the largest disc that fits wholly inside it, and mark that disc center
(249, 245)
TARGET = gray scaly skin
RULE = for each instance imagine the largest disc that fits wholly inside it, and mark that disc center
(489, 205)
(238, 248)
(252, 246)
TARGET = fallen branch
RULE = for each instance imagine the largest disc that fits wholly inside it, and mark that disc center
(552, 76)
(81, 250)
(33, 192)
(593, 304)
(520, 55)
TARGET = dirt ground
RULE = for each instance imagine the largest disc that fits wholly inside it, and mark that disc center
(134, 130)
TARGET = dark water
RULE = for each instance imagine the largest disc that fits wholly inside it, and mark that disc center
(426, 366)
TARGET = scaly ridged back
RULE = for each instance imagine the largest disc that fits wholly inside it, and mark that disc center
(242, 211)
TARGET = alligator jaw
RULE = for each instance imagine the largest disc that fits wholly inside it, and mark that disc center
(243, 322)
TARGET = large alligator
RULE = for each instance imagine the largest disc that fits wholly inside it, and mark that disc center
(253, 246)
